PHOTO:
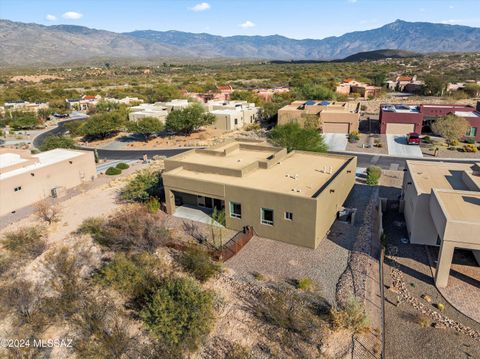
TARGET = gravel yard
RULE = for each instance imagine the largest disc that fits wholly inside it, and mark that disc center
(323, 265)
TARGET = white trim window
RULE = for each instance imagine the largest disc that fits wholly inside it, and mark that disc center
(235, 210)
(289, 216)
(266, 216)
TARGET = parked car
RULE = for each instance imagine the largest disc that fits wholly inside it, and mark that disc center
(413, 138)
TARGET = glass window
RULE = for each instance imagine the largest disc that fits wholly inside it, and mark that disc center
(289, 216)
(267, 216)
(19, 188)
(236, 121)
(235, 210)
(472, 132)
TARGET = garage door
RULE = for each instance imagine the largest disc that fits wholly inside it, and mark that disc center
(400, 128)
(335, 127)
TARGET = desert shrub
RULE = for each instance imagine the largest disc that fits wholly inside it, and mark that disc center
(65, 281)
(92, 226)
(426, 139)
(440, 306)
(113, 171)
(153, 205)
(26, 242)
(100, 331)
(424, 321)
(21, 296)
(236, 351)
(6, 263)
(179, 313)
(122, 166)
(47, 212)
(353, 137)
(286, 310)
(133, 228)
(259, 276)
(352, 316)
(130, 275)
(373, 175)
(144, 185)
(253, 127)
(363, 108)
(377, 143)
(197, 262)
(470, 148)
(305, 284)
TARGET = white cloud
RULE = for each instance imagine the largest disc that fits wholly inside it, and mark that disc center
(201, 7)
(247, 24)
(50, 17)
(72, 15)
(352, 1)
(451, 7)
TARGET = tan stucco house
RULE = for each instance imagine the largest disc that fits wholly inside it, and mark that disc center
(441, 203)
(332, 117)
(26, 179)
(291, 197)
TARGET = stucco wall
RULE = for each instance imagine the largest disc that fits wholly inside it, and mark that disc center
(39, 185)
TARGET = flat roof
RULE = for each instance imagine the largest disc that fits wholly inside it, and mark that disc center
(400, 108)
(10, 159)
(438, 175)
(461, 206)
(44, 159)
(298, 173)
(226, 112)
(467, 114)
(236, 159)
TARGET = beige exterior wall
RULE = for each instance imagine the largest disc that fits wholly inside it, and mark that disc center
(37, 184)
(329, 203)
(313, 215)
(420, 226)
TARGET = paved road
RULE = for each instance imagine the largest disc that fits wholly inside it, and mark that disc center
(392, 163)
(363, 160)
(398, 146)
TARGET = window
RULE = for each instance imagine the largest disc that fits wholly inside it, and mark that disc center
(235, 210)
(236, 121)
(266, 216)
(19, 188)
(472, 132)
(289, 216)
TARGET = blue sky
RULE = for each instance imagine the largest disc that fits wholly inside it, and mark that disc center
(292, 18)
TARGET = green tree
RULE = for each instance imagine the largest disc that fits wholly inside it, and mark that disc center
(102, 125)
(145, 185)
(58, 105)
(75, 128)
(472, 90)
(23, 120)
(293, 137)
(162, 92)
(189, 119)
(52, 142)
(248, 96)
(451, 127)
(145, 127)
(106, 106)
(43, 114)
(434, 86)
(378, 79)
(314, 92)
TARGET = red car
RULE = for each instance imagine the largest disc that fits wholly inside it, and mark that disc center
(413, 138)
